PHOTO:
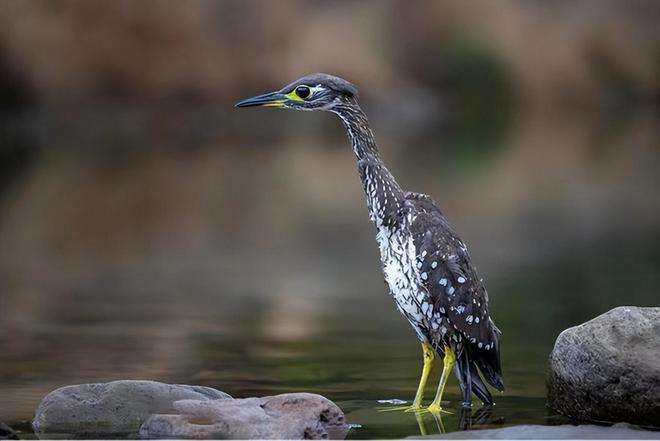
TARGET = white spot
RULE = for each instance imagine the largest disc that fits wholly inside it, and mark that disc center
(460, 309)
(442, 310)
(450, 290)
(435, 325)
(443, 282)
(469, 319)
(461, 280)
(454, 337)
(473, 340)
(424, 253)
(419, 264)
(443, 330)
(434, 264)
(392, 401)
(425, 307)
(425, 276)
(476, 319)
(487, 347)
(479, 345)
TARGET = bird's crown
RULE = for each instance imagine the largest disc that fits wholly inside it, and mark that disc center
(324, 80)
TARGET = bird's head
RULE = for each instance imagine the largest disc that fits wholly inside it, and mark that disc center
(312, 92)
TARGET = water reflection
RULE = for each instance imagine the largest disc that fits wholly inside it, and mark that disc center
(467, 420)
(255, 271)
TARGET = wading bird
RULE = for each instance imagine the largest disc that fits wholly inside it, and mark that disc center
(426, 265)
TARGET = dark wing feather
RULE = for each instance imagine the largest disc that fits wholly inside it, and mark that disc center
(453, 284)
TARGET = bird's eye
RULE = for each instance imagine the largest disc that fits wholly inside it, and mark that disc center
(303, 91)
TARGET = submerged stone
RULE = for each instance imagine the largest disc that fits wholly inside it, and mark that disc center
(286, 416)
(608, 369)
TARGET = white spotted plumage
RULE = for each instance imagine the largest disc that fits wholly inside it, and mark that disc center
(425, 264)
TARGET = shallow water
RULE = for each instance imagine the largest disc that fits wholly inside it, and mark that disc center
(355, 350)
(244, 270)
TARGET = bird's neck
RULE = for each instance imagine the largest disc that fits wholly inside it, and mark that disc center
(385, 198)
(359, 133)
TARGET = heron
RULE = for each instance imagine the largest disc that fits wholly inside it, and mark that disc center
(425, 263)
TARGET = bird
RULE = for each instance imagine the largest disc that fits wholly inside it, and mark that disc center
(425, 263)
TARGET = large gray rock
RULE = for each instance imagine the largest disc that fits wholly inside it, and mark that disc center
(287, 416)
(111, 409)
(608, 369)
(618, 431)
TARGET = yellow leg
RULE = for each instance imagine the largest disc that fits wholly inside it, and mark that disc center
(429, 357)
(448, 362)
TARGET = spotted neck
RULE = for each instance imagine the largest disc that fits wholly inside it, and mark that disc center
(384, 195)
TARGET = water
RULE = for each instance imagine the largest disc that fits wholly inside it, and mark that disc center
(354, 350)
(254, 270)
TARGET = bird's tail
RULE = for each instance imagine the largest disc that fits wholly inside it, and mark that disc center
(476, 365)
(489, 361)
(470, 380)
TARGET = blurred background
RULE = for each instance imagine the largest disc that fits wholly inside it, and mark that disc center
(150, 230)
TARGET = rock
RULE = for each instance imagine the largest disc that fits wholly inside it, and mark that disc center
(618, 431)
(608, 369)
(111, 409)
(287, 416)
(6, 432)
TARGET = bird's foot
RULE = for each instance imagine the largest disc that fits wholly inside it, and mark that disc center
(415, 407)
(436, 408)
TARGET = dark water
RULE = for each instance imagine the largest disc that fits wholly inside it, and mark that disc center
(354, 349)
(254, 270)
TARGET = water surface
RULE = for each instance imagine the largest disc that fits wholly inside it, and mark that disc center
(353, 348)
(252, 268)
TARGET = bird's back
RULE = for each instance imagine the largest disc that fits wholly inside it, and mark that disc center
(458, 296)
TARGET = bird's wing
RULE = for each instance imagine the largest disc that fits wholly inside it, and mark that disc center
(447, 274)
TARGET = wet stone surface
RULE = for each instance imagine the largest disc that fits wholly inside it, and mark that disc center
(607, 369)
(149, 409)
(286, 416)
(566, 431)
(115, 409)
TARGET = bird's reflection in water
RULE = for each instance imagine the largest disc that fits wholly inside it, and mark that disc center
(467, 419)
(481, 417)
(422, 425)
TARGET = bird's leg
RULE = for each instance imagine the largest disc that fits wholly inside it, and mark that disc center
(448, 362)
(467, 391)
(429, 357)
(437, 417)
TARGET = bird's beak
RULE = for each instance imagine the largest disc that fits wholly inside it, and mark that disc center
(273, 99)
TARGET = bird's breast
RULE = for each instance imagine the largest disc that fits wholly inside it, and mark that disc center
(397, 253)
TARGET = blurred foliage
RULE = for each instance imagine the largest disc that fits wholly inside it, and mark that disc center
(482, 94)
(148, 229)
